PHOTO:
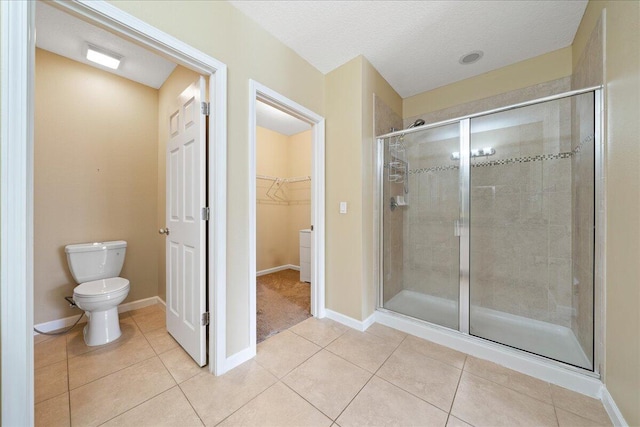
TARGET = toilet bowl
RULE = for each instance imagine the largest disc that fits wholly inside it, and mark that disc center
(100, 299)
(96, 266)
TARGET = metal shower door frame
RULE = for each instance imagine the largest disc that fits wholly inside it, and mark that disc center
(464, 305)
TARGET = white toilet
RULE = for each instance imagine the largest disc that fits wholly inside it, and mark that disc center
(96, 266)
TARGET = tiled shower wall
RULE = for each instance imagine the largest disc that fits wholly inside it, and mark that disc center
(531, 208)
(521, 213)
(385, 119)
(431, 258)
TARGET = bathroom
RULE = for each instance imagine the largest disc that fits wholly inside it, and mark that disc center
(336, 266)
(99, 172)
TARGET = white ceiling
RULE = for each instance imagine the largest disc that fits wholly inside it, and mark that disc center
(61, 33)
(416, 45)
(65, 35)
(278, 121)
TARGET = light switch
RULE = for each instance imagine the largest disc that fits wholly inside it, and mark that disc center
(343, 207)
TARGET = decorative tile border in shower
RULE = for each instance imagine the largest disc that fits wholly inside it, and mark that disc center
(526, 159)
(579, 147)
(433, 169)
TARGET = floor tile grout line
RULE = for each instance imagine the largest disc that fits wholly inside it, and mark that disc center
(512, 389)
(366, 331)
(355, 364)
(250, 400)
(552, 403)
(412, 394)
(306, 400)
(147, 339)
(111, 373)
(152, 397)
(103, 376)
(311, 341)
(295, 367)
(354, 397)
(141, 403)
(581, 415)
(169, 370)
(66, 343)
(302, 336)
(191, 404)
(390, 354)
(455, 393)
(367, 382)
(94, 348)
(49, 398)
(54, 362)
(435, 359)
(555, 412)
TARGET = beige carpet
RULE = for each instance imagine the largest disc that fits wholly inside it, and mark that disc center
(282, 301)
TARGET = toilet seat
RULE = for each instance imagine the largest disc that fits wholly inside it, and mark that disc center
(102, 288)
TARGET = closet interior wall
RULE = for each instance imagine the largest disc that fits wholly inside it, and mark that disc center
(283, 191)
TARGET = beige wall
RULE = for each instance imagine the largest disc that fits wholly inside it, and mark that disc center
(177, 82)
(373, 86)
(344, 178)
(350, 252)
(220, 30)
(300, 152)
(95, 176)
(622, 164)
(279, 221)
(543, 68)
(272, 240)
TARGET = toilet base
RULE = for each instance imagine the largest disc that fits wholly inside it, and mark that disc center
(103, 327)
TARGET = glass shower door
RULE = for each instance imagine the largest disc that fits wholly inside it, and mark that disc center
(421, 209)
(531, 228)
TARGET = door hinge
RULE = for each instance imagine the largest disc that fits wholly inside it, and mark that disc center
(205, 107)
(206, 213)
(205, 319)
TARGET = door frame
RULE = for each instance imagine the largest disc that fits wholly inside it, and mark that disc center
(260, 92)
(17, 86)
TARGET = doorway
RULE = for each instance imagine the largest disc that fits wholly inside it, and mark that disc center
(282, 191)
(283, 220)
(17, 196)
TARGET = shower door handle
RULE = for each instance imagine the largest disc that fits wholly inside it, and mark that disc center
(456, 228)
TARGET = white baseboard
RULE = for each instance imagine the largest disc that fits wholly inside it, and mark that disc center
(122, 308)
(359, 325)
(279, 268)
(239, 358)
(612, 409)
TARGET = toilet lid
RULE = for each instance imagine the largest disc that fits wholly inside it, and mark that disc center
(101, 287)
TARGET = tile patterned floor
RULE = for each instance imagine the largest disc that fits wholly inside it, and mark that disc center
(316, 373)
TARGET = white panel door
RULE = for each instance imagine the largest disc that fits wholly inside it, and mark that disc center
(186, 278)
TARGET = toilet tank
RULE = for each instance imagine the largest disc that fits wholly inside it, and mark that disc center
(94, 261)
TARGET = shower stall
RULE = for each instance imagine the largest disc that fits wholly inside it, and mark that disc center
(488, 225)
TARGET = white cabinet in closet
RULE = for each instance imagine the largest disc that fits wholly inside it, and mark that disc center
(305, 256)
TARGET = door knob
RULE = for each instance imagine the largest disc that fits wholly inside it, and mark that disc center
(164, 231)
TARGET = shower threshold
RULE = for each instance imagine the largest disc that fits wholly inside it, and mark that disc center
(534, 336)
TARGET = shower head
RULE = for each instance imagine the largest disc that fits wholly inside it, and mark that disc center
(417, 123)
